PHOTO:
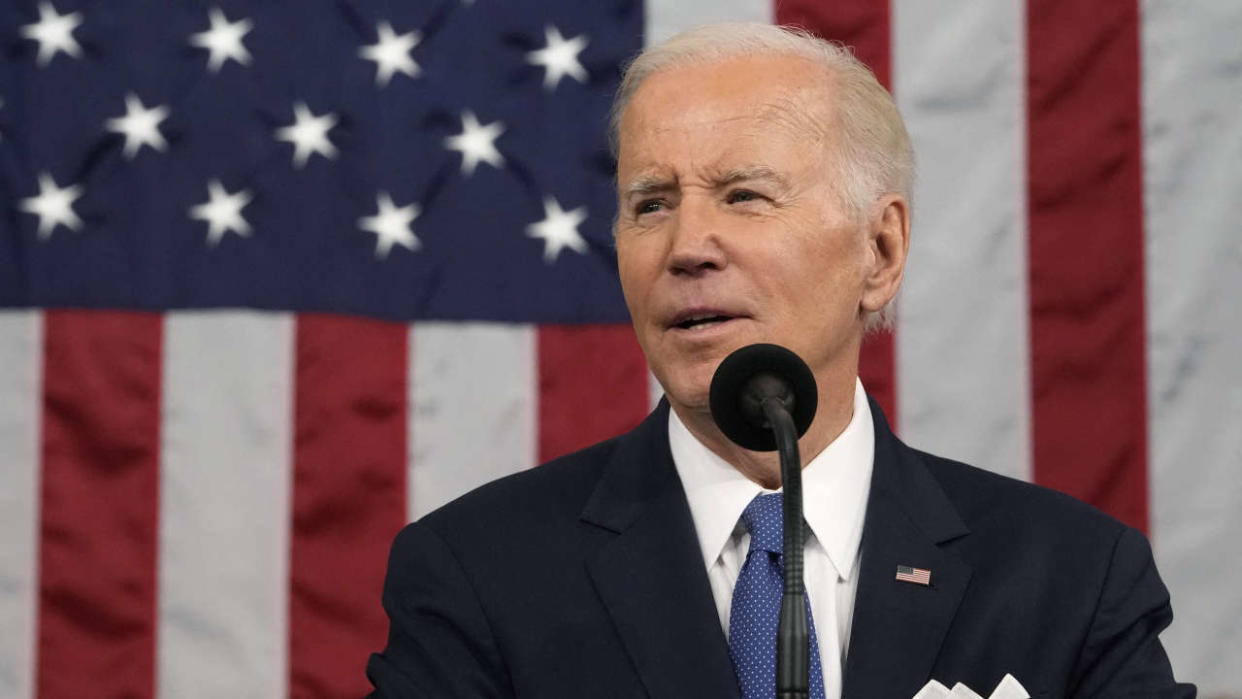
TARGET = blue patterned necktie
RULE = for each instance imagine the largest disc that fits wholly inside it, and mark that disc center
(757, 605)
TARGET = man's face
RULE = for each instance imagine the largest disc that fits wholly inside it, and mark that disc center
(730, 231)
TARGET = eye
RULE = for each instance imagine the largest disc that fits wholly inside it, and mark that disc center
(741, 196)
(648, 206)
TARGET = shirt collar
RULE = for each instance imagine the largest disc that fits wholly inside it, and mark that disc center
(835, 486)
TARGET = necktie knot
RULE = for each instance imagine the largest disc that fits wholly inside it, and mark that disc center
(764, 519)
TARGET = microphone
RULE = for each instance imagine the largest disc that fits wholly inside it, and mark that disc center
(763, 397)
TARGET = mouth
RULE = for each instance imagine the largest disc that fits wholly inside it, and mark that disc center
(700, 319)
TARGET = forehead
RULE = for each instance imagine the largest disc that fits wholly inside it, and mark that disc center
(729, 105)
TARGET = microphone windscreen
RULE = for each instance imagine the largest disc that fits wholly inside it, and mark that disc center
(747, 375)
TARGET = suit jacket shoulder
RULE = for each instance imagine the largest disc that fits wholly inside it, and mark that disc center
(467, 582)
(580, 577)
(1024, 580)
(537, 500)
(1006, 513)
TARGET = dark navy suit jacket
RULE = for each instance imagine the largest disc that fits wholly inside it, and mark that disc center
(583, 578)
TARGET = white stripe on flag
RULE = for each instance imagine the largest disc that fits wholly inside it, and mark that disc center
(1192, 86)
(473, 408)
(963, 385)
(224, 504)
(667, 17)
(21, 364)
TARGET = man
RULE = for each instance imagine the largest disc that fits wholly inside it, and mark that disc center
(763, 185)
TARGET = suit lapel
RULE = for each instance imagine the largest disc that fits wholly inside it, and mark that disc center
(898, 626)
(650, 576)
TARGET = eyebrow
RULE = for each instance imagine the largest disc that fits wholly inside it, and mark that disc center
(750, 172)
(649, 185)
(652, 184)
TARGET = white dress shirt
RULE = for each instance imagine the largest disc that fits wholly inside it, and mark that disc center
(835, 485)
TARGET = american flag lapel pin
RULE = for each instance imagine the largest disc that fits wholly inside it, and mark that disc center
(918, 576)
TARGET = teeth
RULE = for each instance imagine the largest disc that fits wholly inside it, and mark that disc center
(702, 321)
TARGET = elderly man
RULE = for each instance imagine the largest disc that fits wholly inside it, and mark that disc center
(763, 186)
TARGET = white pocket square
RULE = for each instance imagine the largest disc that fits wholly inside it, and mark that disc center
(961, 691)
(1009, 688)
(932, 690)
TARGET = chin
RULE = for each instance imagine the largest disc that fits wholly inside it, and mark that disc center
(689, 386)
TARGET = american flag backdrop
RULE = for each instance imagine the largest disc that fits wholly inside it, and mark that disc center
(278, 277)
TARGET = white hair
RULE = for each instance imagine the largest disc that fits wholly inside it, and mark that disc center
(872, 156)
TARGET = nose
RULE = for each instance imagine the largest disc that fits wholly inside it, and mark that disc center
(696, 245)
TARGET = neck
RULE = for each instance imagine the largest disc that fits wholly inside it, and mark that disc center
(833, 414)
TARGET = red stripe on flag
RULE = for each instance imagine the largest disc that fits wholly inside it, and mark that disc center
(865, 26)
(349, 469)
(99, 511)
(1089, 421)
(592, 385)
(877, 369)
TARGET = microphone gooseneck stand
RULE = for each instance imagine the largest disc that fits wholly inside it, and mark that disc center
(763, 397)
(793, 636)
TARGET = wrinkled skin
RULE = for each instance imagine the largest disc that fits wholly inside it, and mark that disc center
(727, 210)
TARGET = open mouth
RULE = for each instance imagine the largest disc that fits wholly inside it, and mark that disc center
(701, 322)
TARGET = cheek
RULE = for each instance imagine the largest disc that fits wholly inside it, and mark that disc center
(634, 265)
(823, 277)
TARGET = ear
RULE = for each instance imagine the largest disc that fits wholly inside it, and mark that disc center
(888, 241)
